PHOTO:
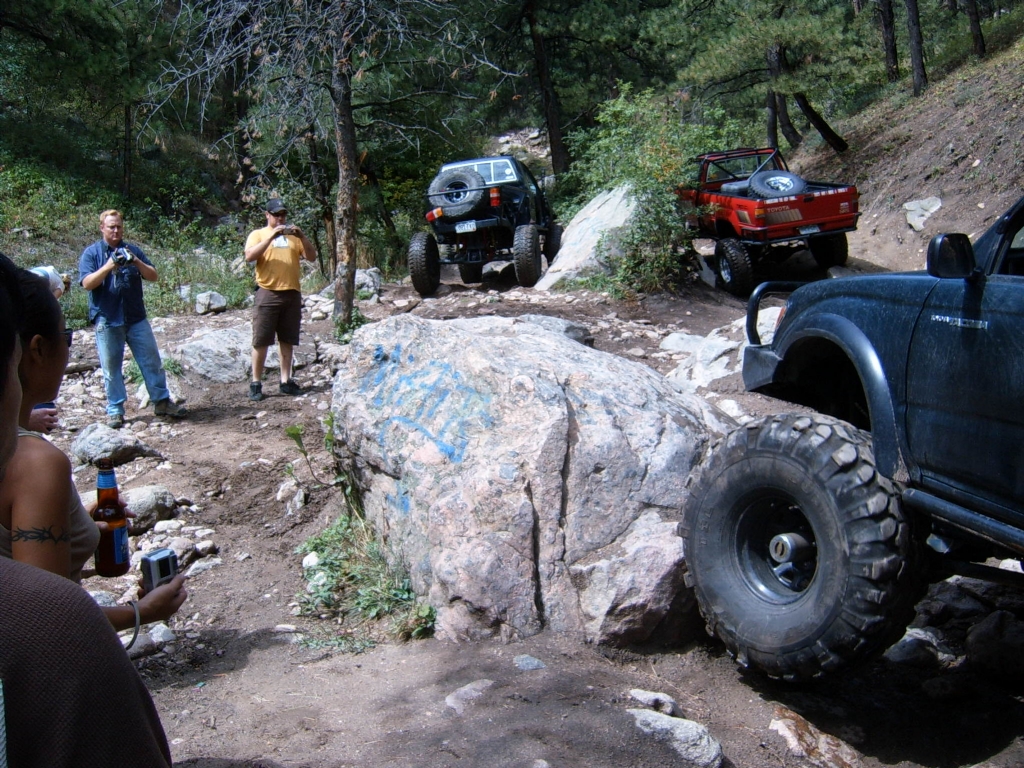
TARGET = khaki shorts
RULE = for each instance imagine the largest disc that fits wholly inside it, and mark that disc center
(276, 313)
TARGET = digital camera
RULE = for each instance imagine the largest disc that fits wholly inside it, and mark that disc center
(123, 256)
(158, 567)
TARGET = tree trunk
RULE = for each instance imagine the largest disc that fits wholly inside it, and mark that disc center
(976, 36)
(347, 200)
(549, 99)
(773, 120)
(126, 157)
(887, 21)
(777, 65)
(793, 136)
(833, 139)
(322, 193)
(916, 47)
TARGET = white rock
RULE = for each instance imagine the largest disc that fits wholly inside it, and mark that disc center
(458, 699)
(201, 566)
(691, 741)
(161, 634)
(312, 560)
(167, 526)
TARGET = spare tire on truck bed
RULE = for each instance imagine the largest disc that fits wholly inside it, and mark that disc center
(768, 184)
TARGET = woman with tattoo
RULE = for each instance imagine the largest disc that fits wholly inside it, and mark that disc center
(42, 519)
(69, 695)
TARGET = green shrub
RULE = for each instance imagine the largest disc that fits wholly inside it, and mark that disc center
(355, 582)
(648, 143)
(343, 329)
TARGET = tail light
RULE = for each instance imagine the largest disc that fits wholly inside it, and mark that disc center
(495, 197)
(435, 214)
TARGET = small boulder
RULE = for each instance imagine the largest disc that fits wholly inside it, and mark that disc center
(210, 302)
(691, 741)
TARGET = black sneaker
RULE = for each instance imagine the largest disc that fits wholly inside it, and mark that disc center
(256, 391)
(290, 388)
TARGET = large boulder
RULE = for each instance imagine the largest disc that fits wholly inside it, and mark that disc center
(591, 242)
(225, 354)
(524, 479)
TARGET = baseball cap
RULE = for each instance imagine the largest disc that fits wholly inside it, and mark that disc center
(274, 205)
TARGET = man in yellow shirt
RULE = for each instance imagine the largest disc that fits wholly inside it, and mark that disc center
(277, 250)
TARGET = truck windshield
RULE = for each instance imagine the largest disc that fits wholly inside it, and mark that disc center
(498, 170)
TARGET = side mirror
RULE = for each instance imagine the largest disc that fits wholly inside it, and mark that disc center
(951, 256)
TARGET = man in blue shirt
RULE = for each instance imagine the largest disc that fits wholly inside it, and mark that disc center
(112, 271)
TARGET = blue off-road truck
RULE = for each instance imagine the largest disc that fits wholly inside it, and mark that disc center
(810, 536)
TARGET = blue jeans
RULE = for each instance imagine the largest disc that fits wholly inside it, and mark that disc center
(110, 341)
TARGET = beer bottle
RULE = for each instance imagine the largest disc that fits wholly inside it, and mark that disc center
(112, 553)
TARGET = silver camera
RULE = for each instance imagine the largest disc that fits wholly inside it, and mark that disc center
(158, 567)
(123, 256)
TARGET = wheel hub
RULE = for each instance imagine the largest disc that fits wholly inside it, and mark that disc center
(794, 560)
(724, 270)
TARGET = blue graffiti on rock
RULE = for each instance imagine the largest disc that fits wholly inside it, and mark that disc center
(430, 398)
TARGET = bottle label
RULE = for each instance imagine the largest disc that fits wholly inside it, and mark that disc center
(106, 479)
(121, 545)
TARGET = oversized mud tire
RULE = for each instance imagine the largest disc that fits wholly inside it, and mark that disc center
(424, 264)
(457, 191)
(829, 250)
(767, 184)
(798, 550)
(552, 242)
(471, 273)
(733, 268)
(526, 255)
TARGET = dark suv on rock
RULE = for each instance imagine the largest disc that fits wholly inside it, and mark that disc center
(483, 210)
(810, 536)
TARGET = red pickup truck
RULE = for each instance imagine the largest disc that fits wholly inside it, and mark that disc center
(749, 202)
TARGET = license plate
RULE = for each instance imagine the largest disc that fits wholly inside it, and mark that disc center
(810, 230)
(470, 226)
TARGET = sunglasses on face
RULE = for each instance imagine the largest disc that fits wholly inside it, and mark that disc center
(68, 336)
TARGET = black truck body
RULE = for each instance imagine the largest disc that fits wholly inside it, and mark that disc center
(909, 466)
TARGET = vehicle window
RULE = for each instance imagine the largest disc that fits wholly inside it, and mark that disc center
(1013, 261)
(497, 171)
(739, 167)
(1018, 240)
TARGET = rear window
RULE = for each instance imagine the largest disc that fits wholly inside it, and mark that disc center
(732, 168)
(497, 171)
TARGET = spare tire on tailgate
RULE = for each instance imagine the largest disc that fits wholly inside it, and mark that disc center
(457, 191)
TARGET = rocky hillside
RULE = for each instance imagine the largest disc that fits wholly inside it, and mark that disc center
(961, 142)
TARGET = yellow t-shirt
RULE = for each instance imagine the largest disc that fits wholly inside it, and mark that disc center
(278, 268)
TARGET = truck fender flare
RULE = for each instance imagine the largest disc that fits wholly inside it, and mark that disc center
(888, 448)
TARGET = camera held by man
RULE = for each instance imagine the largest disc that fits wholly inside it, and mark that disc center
(123, 256)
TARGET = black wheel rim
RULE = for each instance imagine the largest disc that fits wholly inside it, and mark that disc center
(775, 549)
